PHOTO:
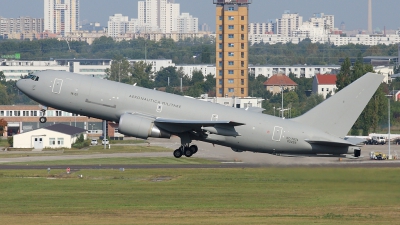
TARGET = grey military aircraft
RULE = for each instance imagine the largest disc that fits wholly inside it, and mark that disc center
(144, 113)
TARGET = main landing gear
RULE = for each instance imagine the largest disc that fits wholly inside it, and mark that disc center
(43, 119)
(186, 150)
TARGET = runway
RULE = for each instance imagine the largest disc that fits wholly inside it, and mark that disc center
(225, 158)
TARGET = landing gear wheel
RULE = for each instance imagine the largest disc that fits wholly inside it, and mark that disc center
(187, 152)
(194, 149)
(42, 119)
(177, 153)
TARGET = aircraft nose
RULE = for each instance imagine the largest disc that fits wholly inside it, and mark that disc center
(18, 84)
(21, 84)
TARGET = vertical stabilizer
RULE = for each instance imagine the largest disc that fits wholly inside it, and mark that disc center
(337, 114)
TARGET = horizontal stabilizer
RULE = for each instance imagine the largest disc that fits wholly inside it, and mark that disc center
(330, 143)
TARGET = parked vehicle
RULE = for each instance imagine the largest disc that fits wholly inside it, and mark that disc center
(105, 142)
(378, 156)
(376, 140)
(94, 142)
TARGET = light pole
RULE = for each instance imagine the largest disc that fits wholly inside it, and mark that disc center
(274, 110)
(389, 96)
(282, 100)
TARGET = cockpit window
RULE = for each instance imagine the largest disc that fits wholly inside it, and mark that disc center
(32, 77)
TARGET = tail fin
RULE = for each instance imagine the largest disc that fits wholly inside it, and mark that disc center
(337, 114)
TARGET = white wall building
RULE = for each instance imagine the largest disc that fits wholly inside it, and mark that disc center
(334, 39)
(20, 25)
(157, 64)
(161, 14)
(55, 136)
(298, 70)
(61, 16)
(13, 70)
(324, 85)
(117, 24)
(204, 68)
(261, 28)
(187, 23)
(288, 23)
(243, 103)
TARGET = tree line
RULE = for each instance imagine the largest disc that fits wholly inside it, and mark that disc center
(190, 51)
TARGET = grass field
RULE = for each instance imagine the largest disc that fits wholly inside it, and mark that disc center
(121, 161)
(202, 196)
(89, 151)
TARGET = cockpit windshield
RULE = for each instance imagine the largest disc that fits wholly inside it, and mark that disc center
(32, 77)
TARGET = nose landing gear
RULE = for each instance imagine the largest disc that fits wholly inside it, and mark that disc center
(43, 119)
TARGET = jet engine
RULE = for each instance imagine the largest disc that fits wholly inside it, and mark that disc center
(140, 127)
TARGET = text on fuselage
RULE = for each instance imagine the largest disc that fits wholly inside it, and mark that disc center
(155, 101)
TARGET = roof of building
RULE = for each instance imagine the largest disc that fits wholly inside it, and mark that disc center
(397, 75)
(65, 129)
(326, 79)
(279, 80)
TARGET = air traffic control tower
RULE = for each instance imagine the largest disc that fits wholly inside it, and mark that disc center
(232, 48)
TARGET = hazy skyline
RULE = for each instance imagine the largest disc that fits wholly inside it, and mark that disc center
(354, 13)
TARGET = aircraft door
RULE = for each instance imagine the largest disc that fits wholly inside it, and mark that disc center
(277, 133)
(57, 86)
(38, 143)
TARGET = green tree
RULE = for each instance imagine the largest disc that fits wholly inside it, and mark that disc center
(344, 77)
(4, 99)
(197, 77)
(142, 74)
(209, 84)
(162, 76)
(206, 54)
(120, 70)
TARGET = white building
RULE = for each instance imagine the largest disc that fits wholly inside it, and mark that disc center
(235, 102)
(187, 23)
(318, 26)
(324, 84)
(161, 14)
(261, 28)
(117, 24)
(206, 69)
(13, 70)
(157, 64)
(333, 39)
(288, 23)
(61, 16)
(21, 25)
(298, 70)
(54, 136)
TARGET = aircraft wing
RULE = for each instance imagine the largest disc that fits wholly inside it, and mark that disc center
(226, 128)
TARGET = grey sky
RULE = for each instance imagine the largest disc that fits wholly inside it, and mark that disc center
(352, 12)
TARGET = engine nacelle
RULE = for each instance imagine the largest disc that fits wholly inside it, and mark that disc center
(140, 127)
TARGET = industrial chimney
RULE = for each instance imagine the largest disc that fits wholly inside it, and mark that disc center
(370, 16)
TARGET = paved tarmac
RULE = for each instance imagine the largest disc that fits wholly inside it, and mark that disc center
(224, 155)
